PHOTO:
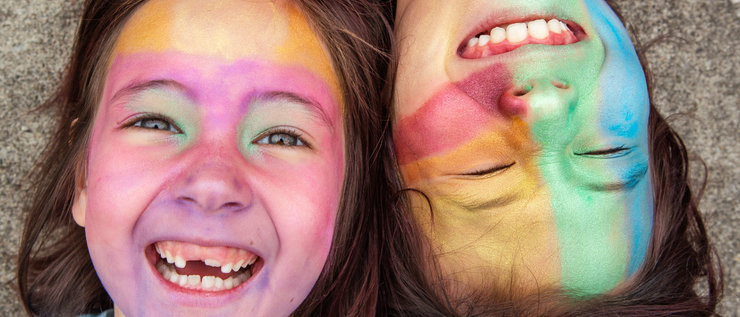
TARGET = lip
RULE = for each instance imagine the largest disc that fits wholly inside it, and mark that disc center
(488, 24)
(200, 298)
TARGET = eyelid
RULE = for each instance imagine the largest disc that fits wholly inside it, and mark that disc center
(609, 153)
(488, 172)
(132, 120)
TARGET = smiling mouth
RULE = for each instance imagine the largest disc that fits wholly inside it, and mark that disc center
(200, 268)
(508, 37)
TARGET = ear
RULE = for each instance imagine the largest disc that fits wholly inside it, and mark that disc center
(79, 207)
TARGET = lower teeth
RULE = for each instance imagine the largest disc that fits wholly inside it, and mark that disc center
(208, 283)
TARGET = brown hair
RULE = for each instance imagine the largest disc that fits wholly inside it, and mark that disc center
(679, 254)
(55, 273)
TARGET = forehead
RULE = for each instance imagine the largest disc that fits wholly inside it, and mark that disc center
(229, 29)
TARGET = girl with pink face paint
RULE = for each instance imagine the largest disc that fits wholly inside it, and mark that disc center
(204, 153)
(540, 179)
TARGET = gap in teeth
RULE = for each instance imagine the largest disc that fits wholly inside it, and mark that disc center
(206, 283)
(228, 259)
(517, 32)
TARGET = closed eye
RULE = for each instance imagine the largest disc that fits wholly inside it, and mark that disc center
(489, 171)
(154, 122)
(607, 153)
(282, 137)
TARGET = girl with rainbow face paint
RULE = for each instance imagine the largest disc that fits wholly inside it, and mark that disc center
(525, 126)
(191, 200)
(201, 152)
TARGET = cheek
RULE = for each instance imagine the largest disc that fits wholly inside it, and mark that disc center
(122, 179)
(304, 199)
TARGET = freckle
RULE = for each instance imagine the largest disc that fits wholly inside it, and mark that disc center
(251, 242)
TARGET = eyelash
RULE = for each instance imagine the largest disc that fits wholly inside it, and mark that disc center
(137, 122)
(264, 138)
(490, 171)
(607, 153)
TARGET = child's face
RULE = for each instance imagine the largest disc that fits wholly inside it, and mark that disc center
(534, 157)
(218, 144)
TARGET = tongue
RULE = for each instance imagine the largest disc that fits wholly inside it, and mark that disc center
(200, 268)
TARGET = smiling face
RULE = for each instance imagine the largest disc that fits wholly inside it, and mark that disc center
(525, 124)
(215, 163)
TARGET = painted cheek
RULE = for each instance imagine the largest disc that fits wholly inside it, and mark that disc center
(453, 116)
(623, 79)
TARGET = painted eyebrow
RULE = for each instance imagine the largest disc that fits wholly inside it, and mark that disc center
(138, 86)
(313, 105)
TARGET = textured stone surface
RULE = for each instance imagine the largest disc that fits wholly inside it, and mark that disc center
(695, 72)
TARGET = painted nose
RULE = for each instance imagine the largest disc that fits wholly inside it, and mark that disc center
(214, 187)
(541, 100)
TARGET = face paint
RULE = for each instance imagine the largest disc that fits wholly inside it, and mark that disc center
(208, 136)
(535, 148)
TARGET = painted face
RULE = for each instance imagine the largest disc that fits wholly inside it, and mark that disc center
(215, 162)
(525, 124)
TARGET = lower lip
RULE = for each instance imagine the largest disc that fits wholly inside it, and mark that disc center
(200, 298)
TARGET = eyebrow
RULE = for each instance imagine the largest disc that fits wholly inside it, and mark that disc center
(138, 86)
(313, 105)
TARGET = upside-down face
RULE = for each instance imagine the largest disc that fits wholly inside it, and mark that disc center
(525, 124)
(215, 163)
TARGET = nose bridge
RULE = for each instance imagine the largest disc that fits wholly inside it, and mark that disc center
(216, 179)
(545, 104)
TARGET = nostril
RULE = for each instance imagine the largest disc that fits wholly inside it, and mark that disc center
(560, 84)
(522, 91)
(232, 205)
(187, 199)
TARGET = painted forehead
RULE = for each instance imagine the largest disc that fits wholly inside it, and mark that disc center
(269, 31)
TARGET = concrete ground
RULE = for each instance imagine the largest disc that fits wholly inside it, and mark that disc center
(695, 73)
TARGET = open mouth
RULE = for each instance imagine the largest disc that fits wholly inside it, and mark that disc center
(508, 37)
(201, 268)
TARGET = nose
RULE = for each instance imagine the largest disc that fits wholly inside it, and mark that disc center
(213, 186)
(547, 101)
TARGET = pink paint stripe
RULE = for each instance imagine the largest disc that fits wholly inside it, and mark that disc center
(453, 116)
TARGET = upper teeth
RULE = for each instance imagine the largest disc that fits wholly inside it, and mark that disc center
(180, 262)
(517, 32)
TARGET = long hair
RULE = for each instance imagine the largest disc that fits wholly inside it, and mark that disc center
(679, 256)
(55, 274)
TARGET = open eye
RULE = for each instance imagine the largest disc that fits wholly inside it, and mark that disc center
(153, 122)
(281, 137)
(607, 153)
(489, 171)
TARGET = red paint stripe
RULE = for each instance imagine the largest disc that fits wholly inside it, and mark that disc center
(453, 116)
